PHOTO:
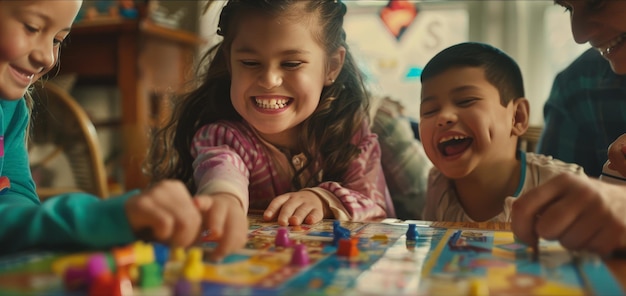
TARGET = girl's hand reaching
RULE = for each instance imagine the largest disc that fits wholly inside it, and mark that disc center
(165, 213)
(294, 208)
(224, 217)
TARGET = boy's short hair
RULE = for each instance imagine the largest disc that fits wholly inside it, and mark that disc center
(500, 69)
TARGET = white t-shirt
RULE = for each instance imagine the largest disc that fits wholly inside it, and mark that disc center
(442, 203)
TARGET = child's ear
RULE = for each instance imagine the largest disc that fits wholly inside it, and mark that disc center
(335, 63)
(521, 116)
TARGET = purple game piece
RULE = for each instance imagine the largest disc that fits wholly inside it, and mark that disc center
(282, 238)
(75, 278)
(182, 288)
(300, 256)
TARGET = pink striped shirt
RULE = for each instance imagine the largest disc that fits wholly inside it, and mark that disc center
(230, 157)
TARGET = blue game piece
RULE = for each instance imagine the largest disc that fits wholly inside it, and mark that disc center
(339, 233)
(161, 253)
(411, 233)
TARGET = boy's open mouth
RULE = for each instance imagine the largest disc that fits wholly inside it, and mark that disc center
(455, 145)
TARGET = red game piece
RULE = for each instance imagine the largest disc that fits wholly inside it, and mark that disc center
(101, 285)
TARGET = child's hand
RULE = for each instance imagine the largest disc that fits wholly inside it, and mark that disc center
(165, 213)
(617, 155)
(581, 213)
(225, 218)
(295, 207)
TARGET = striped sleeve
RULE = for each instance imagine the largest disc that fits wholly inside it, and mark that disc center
(364, 192)
(221, 161)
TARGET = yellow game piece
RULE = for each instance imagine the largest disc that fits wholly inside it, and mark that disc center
(133, 272)
(383, 238)
(144, 253)
(178, 255)
(193, 270)
(77, 260)
(477, 288)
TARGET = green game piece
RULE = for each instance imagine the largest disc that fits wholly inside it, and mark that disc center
(150, 275)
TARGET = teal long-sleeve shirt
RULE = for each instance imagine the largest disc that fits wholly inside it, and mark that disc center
(73, 220)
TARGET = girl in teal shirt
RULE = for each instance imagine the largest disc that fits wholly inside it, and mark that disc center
(30, 35)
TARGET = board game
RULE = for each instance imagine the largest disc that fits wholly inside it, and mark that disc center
(376, 259)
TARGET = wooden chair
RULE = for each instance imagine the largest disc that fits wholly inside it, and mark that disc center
(59, 120)
(529, 140)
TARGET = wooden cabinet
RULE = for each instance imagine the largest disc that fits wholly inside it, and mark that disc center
(146, 62)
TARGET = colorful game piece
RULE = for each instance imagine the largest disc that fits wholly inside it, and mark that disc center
(124, 256)
(161, 253)
(182, 288)
(150, 275)
(144, 253)
(101, 285)
(97, 265)
(194, 268)
(60, 266)
(381, 238)
(339, 232)
(348, 247)
(477, 288)
(178, 255)
(300, 256)
(121, 284)
(411, 233)
(75, 278)
(282, 238)
(5, 184)
(133, 272)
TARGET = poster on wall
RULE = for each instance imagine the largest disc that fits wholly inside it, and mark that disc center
(393, 41)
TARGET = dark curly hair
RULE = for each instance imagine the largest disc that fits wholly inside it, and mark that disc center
(322, 137)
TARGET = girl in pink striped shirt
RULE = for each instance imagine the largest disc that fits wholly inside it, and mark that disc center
(279, 122)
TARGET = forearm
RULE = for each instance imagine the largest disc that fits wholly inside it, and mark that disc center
(72, 220)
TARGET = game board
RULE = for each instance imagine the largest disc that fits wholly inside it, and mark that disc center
(441, 261)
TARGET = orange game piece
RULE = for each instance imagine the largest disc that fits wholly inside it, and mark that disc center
(124, 255)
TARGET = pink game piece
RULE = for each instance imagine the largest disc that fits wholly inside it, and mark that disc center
(97, 264)
(300, 256)
(282, 238)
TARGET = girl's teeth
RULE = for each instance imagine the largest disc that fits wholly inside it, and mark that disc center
(272, 103)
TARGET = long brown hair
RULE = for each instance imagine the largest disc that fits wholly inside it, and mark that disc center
(339, 115)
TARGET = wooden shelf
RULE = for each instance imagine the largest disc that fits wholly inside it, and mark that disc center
(147, 62)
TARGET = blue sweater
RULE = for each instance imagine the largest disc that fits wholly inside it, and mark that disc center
(73, 220)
